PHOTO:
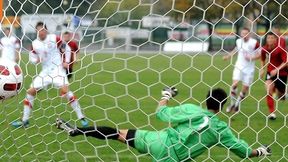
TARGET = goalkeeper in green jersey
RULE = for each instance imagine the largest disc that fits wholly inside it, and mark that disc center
(194, 131)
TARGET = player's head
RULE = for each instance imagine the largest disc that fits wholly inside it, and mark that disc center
(216, 99)
(41, 30)
(7, 31)
(271, 39)
(66, 36)
(245, 34)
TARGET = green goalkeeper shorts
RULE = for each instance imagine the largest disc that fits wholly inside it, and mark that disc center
(155, 143)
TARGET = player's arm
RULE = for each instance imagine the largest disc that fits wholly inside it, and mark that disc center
(171, 114)
(231, 54)
(240, 147)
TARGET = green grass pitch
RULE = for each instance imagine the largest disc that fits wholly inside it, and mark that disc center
(122, 90)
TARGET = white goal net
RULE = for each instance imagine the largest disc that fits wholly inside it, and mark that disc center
(129, 50)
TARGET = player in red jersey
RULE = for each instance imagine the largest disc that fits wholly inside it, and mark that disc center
(276, 76)
(71, 51)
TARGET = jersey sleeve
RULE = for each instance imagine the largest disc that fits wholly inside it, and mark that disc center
(237, 146)
(176, 114)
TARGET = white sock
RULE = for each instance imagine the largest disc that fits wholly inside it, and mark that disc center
(233, 96)
(28, 104)
(239, 99)
(75, 104)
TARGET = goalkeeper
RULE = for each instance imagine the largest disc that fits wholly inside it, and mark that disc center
(194, 131)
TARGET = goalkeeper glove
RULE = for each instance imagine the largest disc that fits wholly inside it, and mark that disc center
(168, 93)
(263, 151)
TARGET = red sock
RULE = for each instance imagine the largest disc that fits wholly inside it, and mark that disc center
(270, 103)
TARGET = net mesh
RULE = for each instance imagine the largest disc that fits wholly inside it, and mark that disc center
(130, 50)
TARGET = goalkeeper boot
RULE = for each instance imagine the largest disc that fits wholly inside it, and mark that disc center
(18, 124)
(63, 125)
(84, 122)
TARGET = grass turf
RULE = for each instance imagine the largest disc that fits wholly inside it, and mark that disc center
(122, 91)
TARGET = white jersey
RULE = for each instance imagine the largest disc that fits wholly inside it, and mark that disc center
(9, 45)
(246, 48)
(68, 53)
(47, 52)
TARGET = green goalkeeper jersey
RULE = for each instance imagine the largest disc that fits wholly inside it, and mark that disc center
(194, 131)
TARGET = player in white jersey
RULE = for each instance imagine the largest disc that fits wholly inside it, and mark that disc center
(244, 69)
(46, 50)
(10, 46)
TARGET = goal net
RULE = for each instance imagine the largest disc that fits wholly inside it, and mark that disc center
(128, 51)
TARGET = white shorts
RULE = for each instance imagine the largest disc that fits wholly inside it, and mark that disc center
(246, 76)
(57, 77)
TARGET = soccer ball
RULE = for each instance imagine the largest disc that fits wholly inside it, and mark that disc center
(11, 79)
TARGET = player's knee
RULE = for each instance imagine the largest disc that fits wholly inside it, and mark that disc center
(63, 91)
(32, 91)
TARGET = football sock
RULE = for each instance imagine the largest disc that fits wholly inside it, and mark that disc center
(270, 103)
(130, 137)
(75, 104)
(101, 132)
(28, 104)
(239, 99)
(233, 95)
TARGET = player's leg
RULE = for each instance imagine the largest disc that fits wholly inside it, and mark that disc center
(241, 96)
(74, 103)
(38, 83)
(233, 90)
(247, 79)
(280, 86)
(270, 87)
(100, 132)
(233, 95)
(28, 105)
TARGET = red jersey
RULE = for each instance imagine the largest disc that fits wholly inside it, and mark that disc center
(276, 57)
(282, 43)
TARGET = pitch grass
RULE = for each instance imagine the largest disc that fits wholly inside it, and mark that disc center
(122, 91)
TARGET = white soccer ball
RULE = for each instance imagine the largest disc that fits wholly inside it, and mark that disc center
(11, 79)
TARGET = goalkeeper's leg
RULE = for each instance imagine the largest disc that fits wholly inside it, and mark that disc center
(100, 132)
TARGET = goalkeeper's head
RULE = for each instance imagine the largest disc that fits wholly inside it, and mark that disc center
(216, 99)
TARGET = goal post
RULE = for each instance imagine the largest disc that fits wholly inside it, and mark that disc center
(129, 50)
